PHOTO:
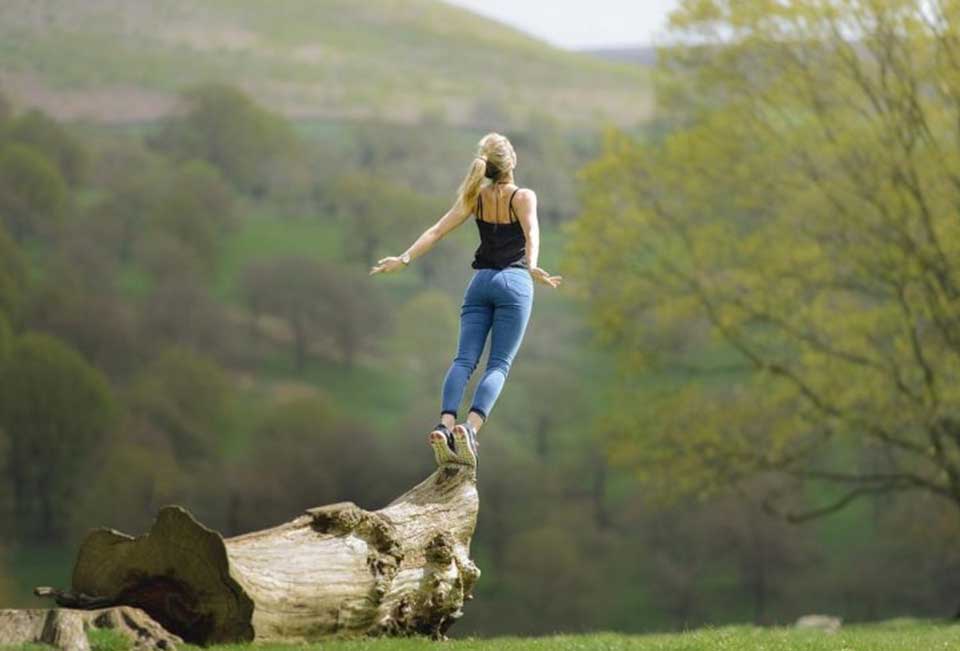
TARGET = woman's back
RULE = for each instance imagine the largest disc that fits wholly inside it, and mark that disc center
(497, 206)
(502, 240)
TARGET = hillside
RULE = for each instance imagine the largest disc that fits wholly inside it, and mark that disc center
(641, 54)
(398, 60)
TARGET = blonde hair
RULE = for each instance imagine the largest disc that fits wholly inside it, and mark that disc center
(494, 153)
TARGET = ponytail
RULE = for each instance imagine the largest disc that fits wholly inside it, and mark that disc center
(470, 188)
(495, 158)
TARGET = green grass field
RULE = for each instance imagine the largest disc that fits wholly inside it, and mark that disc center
(893, 635)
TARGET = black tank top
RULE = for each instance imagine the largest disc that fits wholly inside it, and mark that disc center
(501, 245)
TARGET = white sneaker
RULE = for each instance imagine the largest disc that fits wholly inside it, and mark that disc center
(441, 440)
(465, 439)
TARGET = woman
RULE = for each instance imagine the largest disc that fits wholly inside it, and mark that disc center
(498, 298)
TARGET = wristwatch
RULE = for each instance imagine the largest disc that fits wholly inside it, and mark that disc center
(405, 258)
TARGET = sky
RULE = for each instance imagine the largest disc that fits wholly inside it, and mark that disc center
(579, 24)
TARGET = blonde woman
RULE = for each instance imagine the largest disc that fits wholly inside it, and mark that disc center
(499, 296)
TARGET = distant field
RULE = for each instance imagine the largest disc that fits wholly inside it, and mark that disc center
(896, 635)
(125, 61)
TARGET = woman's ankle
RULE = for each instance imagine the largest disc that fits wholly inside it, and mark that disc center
(476, 420)
(448, 419)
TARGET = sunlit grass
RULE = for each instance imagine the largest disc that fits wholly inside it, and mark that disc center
(895, 635)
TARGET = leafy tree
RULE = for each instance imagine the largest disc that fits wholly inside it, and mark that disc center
(318, 301)
(188, 399)
(97, 323)
(224, 127)
(13, 277)
(303, 453)
(180, 309)
(424, 337)
(548, 583)
(376, 211)
(133, 181)
(7, 584)
(41, 132)
(84, 308)
(785, 257)
(552, 397)
(548, 165)
(57, 412)
(196, 208)
(32, 191)
(139, 474)
(6, 339)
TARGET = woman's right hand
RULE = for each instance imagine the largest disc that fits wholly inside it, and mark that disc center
(388, 264)
(542, 276)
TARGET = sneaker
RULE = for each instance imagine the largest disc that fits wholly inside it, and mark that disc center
(467, 446)
(441, 440)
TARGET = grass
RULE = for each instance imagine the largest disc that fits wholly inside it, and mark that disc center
(334, 57)
(893, 635)
(262, 236)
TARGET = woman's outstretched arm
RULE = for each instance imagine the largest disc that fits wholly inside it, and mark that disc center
(527, 212)
(450, 220)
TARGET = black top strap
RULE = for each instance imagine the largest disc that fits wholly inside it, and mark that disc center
(512, 211)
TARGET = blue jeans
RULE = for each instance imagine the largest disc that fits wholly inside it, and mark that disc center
(499, 300)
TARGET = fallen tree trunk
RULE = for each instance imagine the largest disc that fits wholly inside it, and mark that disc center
(67, 628)
(404, 569)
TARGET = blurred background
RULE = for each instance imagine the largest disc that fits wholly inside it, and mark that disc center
(739, 407)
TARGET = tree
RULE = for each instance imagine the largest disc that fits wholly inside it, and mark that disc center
(56, 410)
(549, 166)
(188, 399)
(293, 439)
(134, 181)
(181, 310)
(316, 300)
(376, 210)
(785, 257)
(32, 191)
(138, 475)
(75, 299)
(196, 209)
(402, 570)
(44, 134)
(6, 339)
(424, 347)
(99, 325)
(224, 127)
(14, 277)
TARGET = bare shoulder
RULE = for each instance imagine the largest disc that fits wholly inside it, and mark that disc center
(526, 198)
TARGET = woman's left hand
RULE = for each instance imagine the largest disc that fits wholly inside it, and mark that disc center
(544, 277)
(388, 264)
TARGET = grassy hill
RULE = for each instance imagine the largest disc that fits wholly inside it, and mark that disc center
(399, 60)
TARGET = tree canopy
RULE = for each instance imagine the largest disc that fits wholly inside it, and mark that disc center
(786, 255)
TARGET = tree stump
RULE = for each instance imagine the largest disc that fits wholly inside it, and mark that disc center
(337, 569)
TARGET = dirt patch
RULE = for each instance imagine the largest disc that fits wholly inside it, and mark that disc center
(109, 104)
(202, 40)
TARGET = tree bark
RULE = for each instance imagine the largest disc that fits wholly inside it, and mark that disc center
(337, 569)
(66, 628)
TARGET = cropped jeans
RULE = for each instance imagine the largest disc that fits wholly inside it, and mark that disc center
(497, 301)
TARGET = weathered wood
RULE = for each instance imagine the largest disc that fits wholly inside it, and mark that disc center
(337, 569)
(67, 628)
